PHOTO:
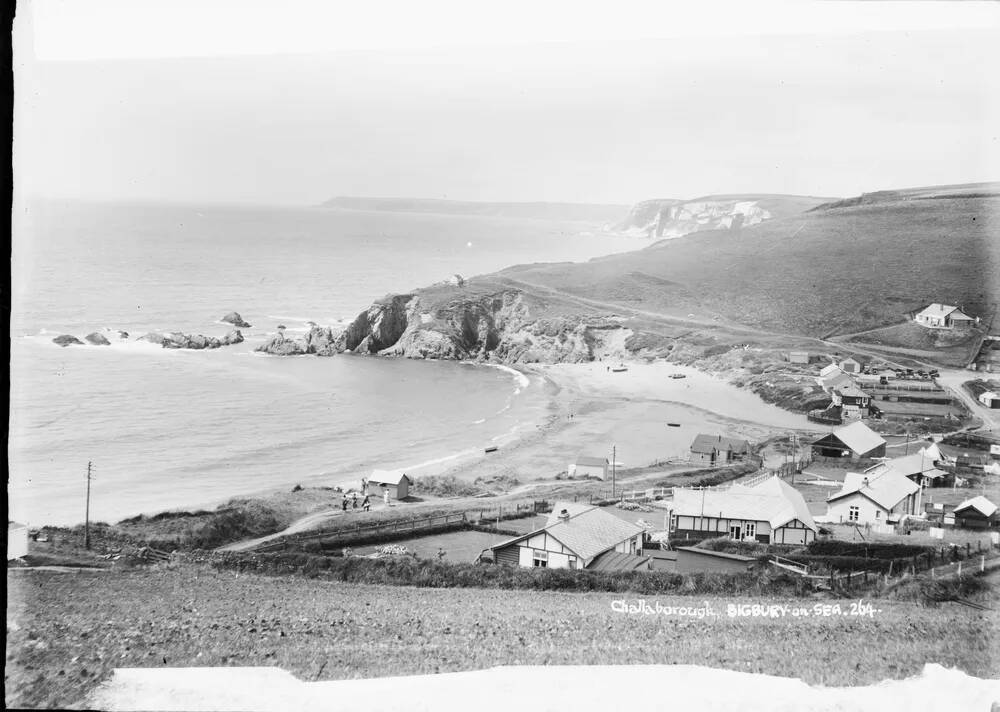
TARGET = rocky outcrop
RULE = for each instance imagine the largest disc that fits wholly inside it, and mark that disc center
(178, 340)
(66, 340)
(236, 320)
(97, 339)
(319, 342)
(498, 327)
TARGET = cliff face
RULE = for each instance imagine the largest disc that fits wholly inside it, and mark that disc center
(673, 218)
(498, 327)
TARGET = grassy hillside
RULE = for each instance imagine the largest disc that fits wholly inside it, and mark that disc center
(837, 270)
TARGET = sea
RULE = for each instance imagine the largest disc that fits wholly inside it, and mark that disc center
(167, 429)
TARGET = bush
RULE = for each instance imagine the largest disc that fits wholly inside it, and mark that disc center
(731, 546)
(445, 486)
(932, 592)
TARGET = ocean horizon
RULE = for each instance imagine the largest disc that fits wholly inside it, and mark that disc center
(170, 429)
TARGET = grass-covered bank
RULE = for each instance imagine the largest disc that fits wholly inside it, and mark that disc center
(64, 637)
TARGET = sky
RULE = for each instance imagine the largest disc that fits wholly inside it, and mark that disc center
(296, 102)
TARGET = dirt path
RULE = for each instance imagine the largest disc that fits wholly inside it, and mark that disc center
(954, 380)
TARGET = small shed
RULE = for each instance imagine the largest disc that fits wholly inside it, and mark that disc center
(798, 357)
(718, 449)
(396, 481)
(587, 466)
(17, 540)
(976, 513)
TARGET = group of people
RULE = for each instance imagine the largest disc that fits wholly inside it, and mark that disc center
(366, 503)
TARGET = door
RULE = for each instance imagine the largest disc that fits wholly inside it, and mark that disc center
(749, 530)
(734, 531)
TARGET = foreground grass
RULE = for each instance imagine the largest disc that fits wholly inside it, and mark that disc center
(67, 632)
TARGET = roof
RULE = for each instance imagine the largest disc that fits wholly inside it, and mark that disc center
(908, 466)
(850, 390)
(830, 370)
(773, 501)
(886, 487)
(571, 508)
(858, 437)
(980, 504)
(932, 452)
(388, 477)
(617, 561)
(836, 380)
(710, 443)
(587, 533)
(592, 461)
(850, 359)
(937, 310)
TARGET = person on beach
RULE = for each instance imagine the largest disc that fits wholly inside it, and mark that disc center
(385, 496)
(354, 500)
(441, 554)
(366, 504)
(343, 502)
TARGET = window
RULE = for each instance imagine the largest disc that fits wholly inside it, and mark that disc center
(572, 562)
(853, 514)
(540, 558)
(878, 514)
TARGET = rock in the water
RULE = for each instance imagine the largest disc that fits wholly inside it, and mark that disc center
(178, 340)
(236, 320)
(280, 346)
(66, 340)
(97, 339)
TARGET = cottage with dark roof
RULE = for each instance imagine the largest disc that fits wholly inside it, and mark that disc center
(577, 537)
(718, 449)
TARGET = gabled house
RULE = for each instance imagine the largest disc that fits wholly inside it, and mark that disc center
(850, 365)
(944, 316)
(874, 498)
(771, 512)
(397, 482)
(854, 441)
(976, 513)
(718, 449)
(577, 537)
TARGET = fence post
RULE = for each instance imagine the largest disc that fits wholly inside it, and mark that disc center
(982, 564)
(968, 548)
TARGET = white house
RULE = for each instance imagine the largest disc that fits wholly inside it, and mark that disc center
(944, 316)
(918, 467)
(577, 537)
(772, 512)
(874, 498)
(586, 466)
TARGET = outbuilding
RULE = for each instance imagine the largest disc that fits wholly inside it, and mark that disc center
(854, 442)
(850, 365)
(990, 399)
(976, 513)
(798, 357)
(397, 482)
(588, 466)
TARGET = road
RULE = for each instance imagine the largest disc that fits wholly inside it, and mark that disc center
(954, 379)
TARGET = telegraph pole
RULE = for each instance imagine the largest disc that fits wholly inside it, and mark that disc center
(614, 456)
(86, 526)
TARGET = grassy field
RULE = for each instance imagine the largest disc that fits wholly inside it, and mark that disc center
(66, 632)
(791, 274)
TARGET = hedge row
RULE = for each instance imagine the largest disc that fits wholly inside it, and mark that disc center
(410, 571)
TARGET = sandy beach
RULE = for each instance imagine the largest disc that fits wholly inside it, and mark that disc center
(594, 409)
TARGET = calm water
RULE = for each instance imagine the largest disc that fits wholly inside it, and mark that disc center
(182, 428)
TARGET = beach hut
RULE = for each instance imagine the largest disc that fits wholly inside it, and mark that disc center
(586, 466)
(17, 540)
(397, 482)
